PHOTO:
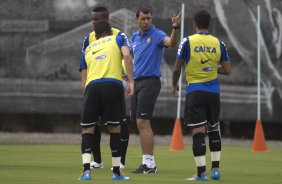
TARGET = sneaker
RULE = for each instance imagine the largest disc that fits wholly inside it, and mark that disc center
(195, 177)
(143, 169)
(119, 177)
(215, 174)
(95, 165)
(86, 175)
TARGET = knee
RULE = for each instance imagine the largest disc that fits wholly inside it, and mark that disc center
(88, 130)
(143, 125)
(114, 129)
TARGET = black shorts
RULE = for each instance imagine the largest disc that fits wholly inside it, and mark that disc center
(104, 99)
(143, 102)
(201, 108)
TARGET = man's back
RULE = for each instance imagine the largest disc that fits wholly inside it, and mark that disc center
(202, 53)
(204, 58)
(103, 59)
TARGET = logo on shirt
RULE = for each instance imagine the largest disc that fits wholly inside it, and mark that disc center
(205, 49)
(101, 57)
(149, 40)
(96, 51)
(207, 69)
(205, 61)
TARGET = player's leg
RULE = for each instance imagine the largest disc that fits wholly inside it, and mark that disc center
(112, 99)
(86, 147)
(215, 149)
(213, 130)
(97, 163)
(124, 141)
(195, 119)
(199, 152)
(147, 143)
(115, 145)
(149, 90)
(89, 118)
(124, 136)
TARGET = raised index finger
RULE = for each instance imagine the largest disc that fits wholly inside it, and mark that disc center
(179, 14)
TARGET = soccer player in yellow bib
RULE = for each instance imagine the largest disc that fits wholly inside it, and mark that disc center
(202, 54)
(101, 72)
(101, 14)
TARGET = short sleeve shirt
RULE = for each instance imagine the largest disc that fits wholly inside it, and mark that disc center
(148, 51)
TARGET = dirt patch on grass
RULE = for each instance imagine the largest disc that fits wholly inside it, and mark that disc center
(75, 138)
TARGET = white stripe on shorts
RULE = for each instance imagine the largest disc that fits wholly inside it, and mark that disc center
(213, 125)
(197, 124)
(112, 122)
(88, 124)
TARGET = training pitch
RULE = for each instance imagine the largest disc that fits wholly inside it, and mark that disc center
(61, 164)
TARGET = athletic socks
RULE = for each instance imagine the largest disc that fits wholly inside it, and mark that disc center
(86, 147)
(96, 145)
(199, 151)
(149, 160)
(124, 143)
(215, 147)
(115, 145)
(124, 133)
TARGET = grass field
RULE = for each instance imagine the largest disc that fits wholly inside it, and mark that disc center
(49, 164)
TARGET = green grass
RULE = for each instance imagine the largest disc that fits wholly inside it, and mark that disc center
(49, 164)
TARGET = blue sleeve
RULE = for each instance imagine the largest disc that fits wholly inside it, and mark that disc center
(131, 41)
(224, 53)
(125, 39)
(85, 43)
(183, 51)
(120, 41)
(160, 36)
(83, 65)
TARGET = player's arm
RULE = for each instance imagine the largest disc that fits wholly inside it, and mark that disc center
(129, 69)
(225, 66)
(83, 71)
(173, 39)
(125, 43)
(85, 43)
(83, 66)
(83, 74)
(175, 76)
(183, 53)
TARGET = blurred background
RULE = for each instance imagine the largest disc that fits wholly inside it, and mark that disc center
(40, 53)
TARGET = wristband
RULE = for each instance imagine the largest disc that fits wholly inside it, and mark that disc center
(175, 27)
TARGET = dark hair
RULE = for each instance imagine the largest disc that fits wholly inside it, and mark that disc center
(102, 28)
(101, 9)
(202, 18)
(145, 10)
